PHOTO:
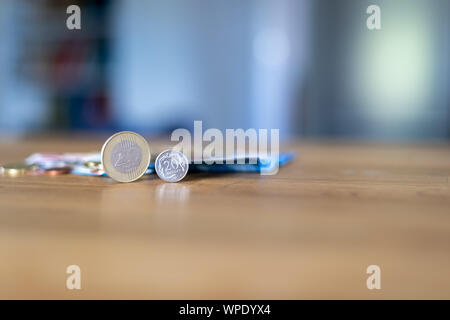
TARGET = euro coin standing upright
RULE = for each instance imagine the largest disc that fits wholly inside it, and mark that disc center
(125, 156)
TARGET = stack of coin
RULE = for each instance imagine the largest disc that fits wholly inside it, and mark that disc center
(95, 165)
(57, 171)
(16, 169)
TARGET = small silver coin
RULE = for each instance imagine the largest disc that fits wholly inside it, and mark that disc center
(171, 165)
(125, 156)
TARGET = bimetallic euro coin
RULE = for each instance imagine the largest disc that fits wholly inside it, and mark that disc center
(171, 165)
(125, 156)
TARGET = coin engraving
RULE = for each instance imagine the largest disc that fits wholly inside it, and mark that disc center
(171, 165)
(126, 156)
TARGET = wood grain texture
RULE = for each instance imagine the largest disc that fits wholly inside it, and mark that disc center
(308, 232)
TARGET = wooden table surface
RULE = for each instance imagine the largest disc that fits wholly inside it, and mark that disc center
(308, 232)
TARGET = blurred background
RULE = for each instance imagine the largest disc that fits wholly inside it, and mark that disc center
(308, 67)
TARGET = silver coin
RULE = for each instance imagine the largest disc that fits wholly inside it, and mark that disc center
(125, 156)
(171, 165)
